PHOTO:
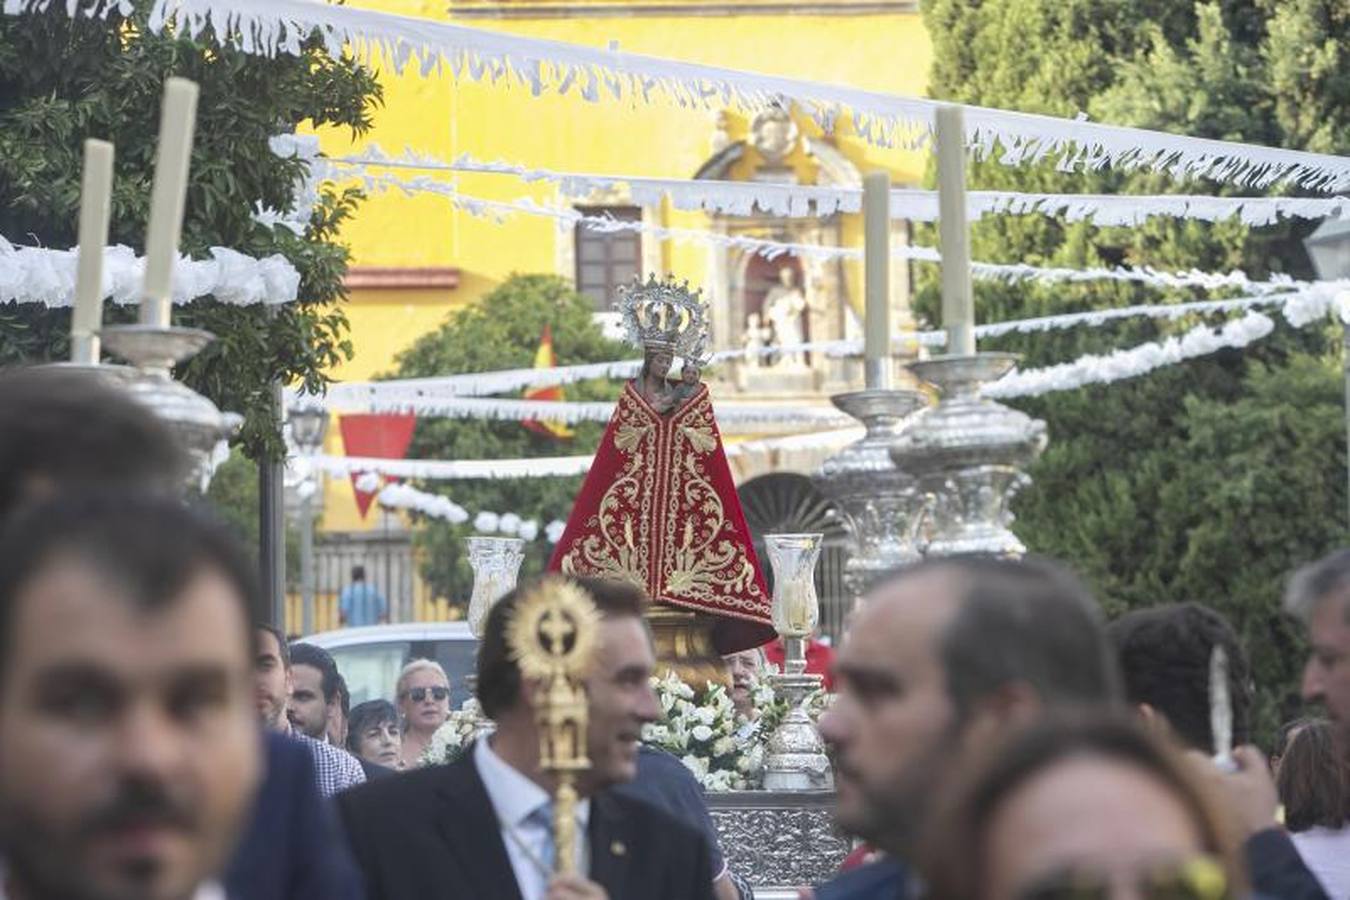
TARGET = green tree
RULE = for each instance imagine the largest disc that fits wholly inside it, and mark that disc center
(66, 78)
(233, 494)
(502, 331)
(1209, 480)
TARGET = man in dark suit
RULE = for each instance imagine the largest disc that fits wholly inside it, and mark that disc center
(478, 827)
(293, 848)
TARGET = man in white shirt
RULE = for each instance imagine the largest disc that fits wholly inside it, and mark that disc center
(127, 729)
(479, 827)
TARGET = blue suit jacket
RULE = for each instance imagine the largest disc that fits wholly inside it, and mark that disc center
(292, 848)
(885, 879)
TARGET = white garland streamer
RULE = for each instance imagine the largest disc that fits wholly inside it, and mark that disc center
(437, 469)
(743, 198)
(271, 27)
(1121, 364)
(477, 384)
(47, 277)
(438, 506)
(371, 469)
(1087, 370)
(500, 210)
(747, 417)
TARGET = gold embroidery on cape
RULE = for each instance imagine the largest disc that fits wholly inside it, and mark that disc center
(618, 546)
(700, 560)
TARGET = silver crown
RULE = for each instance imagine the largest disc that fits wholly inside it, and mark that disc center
(665, 315)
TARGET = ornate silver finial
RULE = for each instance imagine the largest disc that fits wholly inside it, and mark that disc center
(664, 314)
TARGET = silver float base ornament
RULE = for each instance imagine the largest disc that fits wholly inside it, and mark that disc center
(779, 840)
(881, 505)
(153, 351)
(794, 757)
(968, 452)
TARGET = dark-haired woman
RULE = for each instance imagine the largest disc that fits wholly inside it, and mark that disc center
(1091, 807)
(1314, 790)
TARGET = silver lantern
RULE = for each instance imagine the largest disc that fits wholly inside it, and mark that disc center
(881, 504)
(969, 452)
(794, 758)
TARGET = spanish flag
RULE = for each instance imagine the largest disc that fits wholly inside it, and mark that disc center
(544, 359)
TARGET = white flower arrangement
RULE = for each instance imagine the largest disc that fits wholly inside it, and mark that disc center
(724, 750)
(701, 731)
(451, 739)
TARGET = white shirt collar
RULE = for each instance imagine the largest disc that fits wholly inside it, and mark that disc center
(514, 796)
(208, 891)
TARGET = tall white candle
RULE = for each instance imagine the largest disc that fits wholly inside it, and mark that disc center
(877, 286)
(177, 120)
(958, 302)
(95, 203)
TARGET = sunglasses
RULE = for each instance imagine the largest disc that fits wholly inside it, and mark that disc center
(419, 694)
(1201, 878)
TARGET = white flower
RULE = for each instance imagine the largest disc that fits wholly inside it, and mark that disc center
(705, 714)
(723, 746)
(718, 781)
(486, 522)
(701, 733)
(696, 764)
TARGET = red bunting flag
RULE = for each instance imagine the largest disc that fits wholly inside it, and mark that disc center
(376, 435)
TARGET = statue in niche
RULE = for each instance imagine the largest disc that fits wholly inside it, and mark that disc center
(755, 339)
(784, 305)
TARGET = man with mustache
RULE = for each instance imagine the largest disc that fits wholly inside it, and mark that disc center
(127, 723)
(64, 429)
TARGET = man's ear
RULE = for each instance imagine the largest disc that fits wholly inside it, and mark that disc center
(1153, 720)
(1009, 706)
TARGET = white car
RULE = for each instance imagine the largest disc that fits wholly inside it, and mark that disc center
(371, 657)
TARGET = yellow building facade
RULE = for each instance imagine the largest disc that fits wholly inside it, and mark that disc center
(417, 258)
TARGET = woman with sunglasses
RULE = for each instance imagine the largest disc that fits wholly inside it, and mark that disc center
(1084, 808)
(424, 702)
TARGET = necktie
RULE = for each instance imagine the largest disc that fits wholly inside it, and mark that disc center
(541, 820)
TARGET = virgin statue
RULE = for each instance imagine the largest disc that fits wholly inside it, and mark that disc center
(659, 507)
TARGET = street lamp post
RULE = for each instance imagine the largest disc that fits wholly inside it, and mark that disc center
(308, 424)
(1329, 249)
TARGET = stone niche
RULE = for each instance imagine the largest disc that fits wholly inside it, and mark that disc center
(756, 302)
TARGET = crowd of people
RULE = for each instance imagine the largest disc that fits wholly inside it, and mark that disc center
(992, 736)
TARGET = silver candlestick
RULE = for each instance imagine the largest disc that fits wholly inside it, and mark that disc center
(153, 351)
(496, 567)
(794, 758)
(881, 505)
(969, 453)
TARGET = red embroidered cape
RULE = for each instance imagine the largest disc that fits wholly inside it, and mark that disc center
(659, 508)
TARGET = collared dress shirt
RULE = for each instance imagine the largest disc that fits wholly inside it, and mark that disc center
(514, 799)
(335, 769)
(208, 891)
